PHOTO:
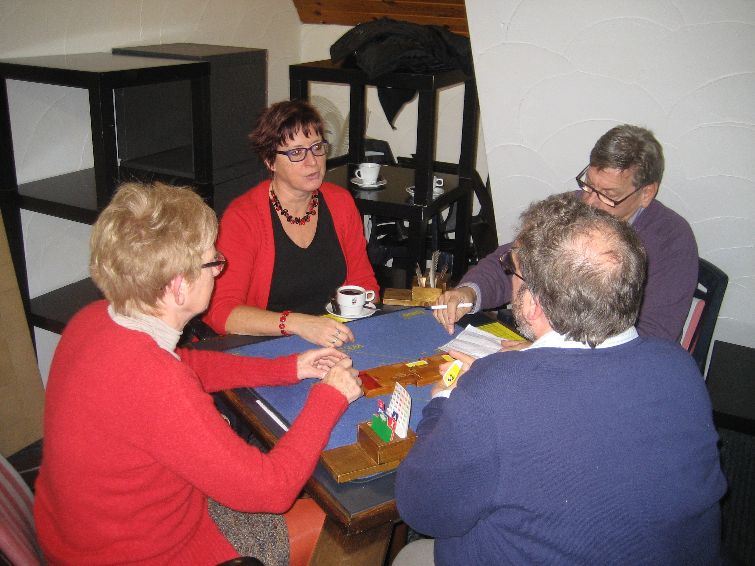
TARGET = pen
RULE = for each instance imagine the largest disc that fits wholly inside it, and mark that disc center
(443, 307)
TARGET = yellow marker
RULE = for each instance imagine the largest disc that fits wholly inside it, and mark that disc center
(452, 373)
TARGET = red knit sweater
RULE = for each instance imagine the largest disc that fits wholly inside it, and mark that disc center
(133, 447)
(246, 239)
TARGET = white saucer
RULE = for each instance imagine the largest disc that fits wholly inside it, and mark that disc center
(437, 191)
(361, 184)
(367, 310)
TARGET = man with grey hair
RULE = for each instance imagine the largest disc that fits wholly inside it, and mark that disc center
(623, 177)
(593, 446)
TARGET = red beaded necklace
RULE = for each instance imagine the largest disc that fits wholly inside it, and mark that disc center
(301, 220)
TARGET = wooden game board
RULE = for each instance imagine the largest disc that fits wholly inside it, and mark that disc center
(381, 380)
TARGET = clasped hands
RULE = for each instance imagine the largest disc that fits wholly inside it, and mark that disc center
(332, 367)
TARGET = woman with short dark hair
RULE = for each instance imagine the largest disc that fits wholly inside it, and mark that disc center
(291, 240)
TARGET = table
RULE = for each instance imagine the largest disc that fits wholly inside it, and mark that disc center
(360, 514)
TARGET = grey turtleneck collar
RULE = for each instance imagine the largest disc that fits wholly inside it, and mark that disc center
(162, 333)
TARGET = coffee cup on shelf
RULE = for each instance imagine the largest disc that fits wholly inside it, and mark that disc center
(368, 173)
(352, 298)
(437, 183)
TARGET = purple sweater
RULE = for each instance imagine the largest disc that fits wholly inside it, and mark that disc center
(671, 280)
(569, 456)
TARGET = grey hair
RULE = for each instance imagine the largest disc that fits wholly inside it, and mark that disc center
(585, 267)
(630, 147)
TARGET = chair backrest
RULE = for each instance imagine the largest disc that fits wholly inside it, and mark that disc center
(18, 540)
(698, 333)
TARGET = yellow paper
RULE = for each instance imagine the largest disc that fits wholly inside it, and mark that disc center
(498, 329)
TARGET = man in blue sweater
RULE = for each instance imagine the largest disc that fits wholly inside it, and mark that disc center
(593, 446)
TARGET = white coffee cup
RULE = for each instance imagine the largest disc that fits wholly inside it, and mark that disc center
(352, 298)
(437, 182)
(368, 173)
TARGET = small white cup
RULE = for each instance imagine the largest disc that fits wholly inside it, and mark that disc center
(437, 182)
(352, 298)
(368, 173)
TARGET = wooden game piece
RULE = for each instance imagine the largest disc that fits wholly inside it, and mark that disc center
(405, 373)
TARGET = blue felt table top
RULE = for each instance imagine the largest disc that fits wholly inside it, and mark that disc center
(386, 339)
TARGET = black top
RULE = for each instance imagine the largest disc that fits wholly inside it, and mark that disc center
(305, 279)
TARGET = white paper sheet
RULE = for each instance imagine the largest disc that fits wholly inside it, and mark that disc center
(474, 342)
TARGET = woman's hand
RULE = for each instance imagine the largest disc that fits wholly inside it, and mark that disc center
(466, 361)
(316, 363)
(345, 379)
(320, 330)
(452, 298)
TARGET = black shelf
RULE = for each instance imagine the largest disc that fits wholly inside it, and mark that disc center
(53, 310)
(71, 196)
(391, 202)
(80, 195)
(151, 119)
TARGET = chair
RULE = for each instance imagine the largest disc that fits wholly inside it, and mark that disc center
(18, 539)
(698, 330)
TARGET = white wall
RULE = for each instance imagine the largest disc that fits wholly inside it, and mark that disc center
(51, 124)
(554, 76)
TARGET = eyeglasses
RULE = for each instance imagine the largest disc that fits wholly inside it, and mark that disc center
(507, 263)
(300, 153)
(217, 265)
(605, 199)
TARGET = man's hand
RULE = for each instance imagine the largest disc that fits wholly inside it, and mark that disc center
(452, 298)
(344, 378)
(512, 345)
(467, 362)
(316, 363)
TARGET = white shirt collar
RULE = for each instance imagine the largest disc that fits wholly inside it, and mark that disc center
(553, 339)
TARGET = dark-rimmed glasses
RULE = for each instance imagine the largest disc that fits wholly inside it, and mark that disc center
(217, 265)
(605, 199)
(507, 263)
(300, 153)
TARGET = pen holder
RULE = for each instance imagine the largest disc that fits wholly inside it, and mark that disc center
(425, 296)
(381, 451)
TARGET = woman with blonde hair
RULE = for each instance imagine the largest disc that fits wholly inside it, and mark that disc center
(138, 464)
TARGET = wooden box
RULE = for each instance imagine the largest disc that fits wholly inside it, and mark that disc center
(369, 455)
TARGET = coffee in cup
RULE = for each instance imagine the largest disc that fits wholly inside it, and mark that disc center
(368, 173)
(352, 298)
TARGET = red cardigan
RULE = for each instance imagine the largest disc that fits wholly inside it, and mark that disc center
(134, 447)
(246, 239)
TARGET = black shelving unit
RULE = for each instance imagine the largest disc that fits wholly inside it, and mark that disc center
(392, 201)
(81, 195)
(153, 130)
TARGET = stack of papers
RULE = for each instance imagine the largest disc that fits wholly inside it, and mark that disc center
(478, 343)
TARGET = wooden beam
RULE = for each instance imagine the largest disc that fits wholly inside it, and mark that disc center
(449, 13)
